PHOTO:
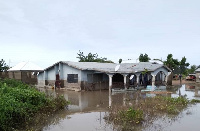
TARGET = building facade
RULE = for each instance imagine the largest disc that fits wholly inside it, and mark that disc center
(96, 76)
(197, 72)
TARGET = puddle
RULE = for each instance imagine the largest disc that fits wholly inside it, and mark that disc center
(88, 109)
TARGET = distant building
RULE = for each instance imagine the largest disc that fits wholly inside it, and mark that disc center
(25, 71)
(197, 72)
(95, 76)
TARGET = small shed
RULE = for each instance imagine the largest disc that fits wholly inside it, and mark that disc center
(25, 71)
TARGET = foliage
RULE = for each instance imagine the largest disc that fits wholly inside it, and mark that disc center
(178, 67)
(145, 71)
(145, 110)
(183, 66)
(195, 101)
(131, 115)
(171, 62)
(3, 66)
(19, 103)
(120, 61)
(192, 69)
(144, 58)
(91, 58)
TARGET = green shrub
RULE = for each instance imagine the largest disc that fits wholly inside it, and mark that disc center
(195, 101)
(145, 110)
(19, 102)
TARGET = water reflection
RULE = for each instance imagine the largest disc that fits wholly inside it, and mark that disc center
(88, 108)
(189, 91)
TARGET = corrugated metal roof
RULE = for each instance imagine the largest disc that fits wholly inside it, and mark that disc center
(26, 66)
(110, 67)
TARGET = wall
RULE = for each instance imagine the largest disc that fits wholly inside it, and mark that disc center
(51, 74)
(28, 77)
(15, 75)
(160, 69)
(24, 76)
(197, 76)
(95, 81)
(40, 77)
(70, 70)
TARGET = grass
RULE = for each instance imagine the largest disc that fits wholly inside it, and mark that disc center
(142, 110)
(19, 103)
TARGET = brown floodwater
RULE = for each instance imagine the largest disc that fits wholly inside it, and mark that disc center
(87, 110)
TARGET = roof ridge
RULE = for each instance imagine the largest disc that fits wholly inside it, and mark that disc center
(24, 65)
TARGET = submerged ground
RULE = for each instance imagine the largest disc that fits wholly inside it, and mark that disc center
(87, 111)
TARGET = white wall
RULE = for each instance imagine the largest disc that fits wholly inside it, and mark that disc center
(84, 75)
(70, 70)
(40, 76)
(51, 74)
(160, 69)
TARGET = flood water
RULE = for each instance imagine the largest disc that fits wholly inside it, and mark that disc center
(87, 110)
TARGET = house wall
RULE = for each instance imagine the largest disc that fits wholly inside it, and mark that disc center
(160, 69)
(94, 81)
(25, 76)
(28, 77)
(41, 80)
(197, 76)
(50, 77)
(70, 70)
(15, 75)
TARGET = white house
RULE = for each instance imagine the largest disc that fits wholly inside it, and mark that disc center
(95, 76)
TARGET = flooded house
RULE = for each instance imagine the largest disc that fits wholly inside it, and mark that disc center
(25, 72)
(96, 76)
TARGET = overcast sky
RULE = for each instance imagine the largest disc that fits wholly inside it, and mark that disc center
(48, 31)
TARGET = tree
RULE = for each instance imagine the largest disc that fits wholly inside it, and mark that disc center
(91, 58)
(120, 61)
(171, 62)
(3, 66)
(183, 66)
(144, 58)
(192, 69)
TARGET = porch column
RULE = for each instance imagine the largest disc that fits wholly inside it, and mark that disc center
(59, 71)
(166, 78)
(45, 74)
(153, 82)
(125, 75)
(110, 82)
(138, 79)
(110, 98)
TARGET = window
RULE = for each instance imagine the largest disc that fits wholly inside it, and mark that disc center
(72, 78)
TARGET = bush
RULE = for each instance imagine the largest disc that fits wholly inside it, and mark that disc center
(144, 110)
(19, 102)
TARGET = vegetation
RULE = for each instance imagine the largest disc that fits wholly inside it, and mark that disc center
(144, 110)
(195, 101)
(120, 61)
(178, 67)
(144, 58)
(3, 66)
(183, 66)
(171, 62)
(91, 58)
(192, 69)
(20, 102)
